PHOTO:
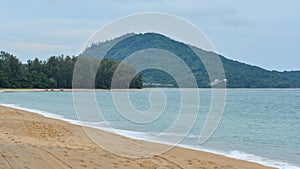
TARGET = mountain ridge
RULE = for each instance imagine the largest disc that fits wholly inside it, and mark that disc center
(238, 74)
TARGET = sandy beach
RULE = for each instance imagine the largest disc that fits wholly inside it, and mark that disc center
(29, 140)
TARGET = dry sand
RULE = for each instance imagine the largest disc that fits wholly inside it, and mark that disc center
(29, 140)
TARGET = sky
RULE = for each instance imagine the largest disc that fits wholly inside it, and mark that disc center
(262, 33)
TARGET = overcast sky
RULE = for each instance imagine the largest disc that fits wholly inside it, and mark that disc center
(263, 33)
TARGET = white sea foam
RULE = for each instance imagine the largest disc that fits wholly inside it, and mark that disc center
(134, 134)
(46, 114)
(236, 154)
(144, 135)
(97, 125)
(261, 160)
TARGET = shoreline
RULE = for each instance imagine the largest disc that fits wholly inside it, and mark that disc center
(143, 89)
(204, 158)
(68, 90)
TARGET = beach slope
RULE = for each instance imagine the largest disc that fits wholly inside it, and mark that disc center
(29, 140)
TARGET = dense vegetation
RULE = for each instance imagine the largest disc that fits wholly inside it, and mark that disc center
(238, 75)
(56, 72)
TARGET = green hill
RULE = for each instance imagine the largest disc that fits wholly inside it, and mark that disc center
(238, 75)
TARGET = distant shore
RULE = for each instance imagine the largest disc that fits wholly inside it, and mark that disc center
(34, 141)
(63, 90)
(143, 89)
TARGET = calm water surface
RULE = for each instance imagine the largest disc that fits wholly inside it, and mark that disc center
(260, 125)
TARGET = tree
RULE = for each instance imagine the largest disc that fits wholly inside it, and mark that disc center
(12, 70)
(52, 83)
(58, 71)
(4, 81)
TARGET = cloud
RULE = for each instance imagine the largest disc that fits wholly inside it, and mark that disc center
(35, 47)
(205, 12)
(73, 34)
(229, 24)
(26, 50)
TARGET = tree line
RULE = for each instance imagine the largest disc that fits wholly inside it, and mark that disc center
(55, 72)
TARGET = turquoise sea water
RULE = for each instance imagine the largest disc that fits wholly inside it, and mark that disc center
(259, 125)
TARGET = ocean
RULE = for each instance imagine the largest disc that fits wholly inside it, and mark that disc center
(258, 125)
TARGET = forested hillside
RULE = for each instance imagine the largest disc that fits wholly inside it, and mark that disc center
(238, 75)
